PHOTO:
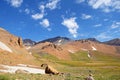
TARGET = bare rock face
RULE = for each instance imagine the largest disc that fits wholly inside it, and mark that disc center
(52, 46)
(51, 49)
(10, 40)
(49, 69)
(20, 42)
(12, 50)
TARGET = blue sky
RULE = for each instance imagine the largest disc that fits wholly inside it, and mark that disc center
(76, 19)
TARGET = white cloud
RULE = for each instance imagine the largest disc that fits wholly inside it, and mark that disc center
(79, 1)
(27, 11)
(105, 5)
(52, 4)
(42, 8)
(85, 16)
(38, 16)
(97, 25)
(15, 3)
(72, 25)
(45, 23)
(115, 25)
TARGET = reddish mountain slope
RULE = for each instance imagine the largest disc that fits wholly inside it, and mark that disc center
(12, 50)
(65, 50)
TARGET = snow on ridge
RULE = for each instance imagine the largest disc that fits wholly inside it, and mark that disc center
(13, 69)
(5, 47)
(2, 29)
(93, 48)
(60, 41)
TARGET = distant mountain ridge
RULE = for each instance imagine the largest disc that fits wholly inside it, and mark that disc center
(93, 39)
(28, 42)
(115, 42)
(89, 39)
(56, 40)
(61, 40)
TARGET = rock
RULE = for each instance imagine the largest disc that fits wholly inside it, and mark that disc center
(49, 69)
(20, 43)
(90, 77)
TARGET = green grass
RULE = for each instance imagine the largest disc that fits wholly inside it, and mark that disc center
(46, 56)
(71, 73)
(80, 56)
(4, 77)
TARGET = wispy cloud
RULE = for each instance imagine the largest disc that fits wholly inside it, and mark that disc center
(103, 36)
(111, 32)
(105, 19)
(105, 5)
(86, 16)
(79, 1)
(115, 25)
(52, 4)
(15, 3)
(37, 16)
(72, 25)
(27, 11)
(97, 25)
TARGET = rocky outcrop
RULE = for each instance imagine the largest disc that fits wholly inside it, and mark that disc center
(12, 50)
(49, 69)
(20, 42)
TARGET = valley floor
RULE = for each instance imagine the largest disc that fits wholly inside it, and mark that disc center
(100, 71)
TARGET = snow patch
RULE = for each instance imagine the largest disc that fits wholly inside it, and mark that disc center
(71, 51)
(60, 41)
(12, 69)
(22, 65)
(5, 47)
(28, 48)
(93, 48)
(88, 55)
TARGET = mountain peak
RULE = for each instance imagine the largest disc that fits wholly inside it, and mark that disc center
(115, 41)
(57, 40)
(28, 42)
(93, 39)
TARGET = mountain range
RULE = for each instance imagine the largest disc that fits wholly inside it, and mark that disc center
(62, 40)
(15, 50)
(61, 47)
